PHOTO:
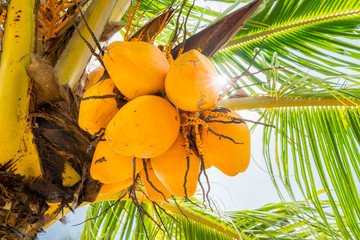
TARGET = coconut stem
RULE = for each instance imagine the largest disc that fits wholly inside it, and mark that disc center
(244, 103)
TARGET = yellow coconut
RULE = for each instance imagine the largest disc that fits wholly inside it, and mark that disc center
(145, 127)
(192, 82)
(98, 106)
(94, 76)
(207, 165)
(151, 192)
(109, 166)
(111, 188)
(137, 68)
(229, 157)
(171, 166)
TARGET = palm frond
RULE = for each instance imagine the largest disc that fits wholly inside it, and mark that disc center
(125, 220)
(321, 36)
(317, 149)
(273, 221)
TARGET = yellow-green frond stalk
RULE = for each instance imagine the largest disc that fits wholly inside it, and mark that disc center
(119, 10)
(15, 134)
(76, 55)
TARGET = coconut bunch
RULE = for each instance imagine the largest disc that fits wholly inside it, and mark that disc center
(168, 131)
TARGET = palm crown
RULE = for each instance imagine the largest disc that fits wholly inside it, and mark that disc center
(297, 65)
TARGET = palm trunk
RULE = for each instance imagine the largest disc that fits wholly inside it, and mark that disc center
(45, 160)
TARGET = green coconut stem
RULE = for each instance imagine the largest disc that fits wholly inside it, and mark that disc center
(243, 103)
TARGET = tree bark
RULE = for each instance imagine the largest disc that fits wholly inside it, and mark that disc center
(25, 202)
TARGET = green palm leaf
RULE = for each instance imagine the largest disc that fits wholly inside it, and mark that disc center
(273, 221)
(320, 147)
(317, 35)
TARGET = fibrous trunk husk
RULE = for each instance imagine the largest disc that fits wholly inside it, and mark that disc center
(59, 140)
(21, 208)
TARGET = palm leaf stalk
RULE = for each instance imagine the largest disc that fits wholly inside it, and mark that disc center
(274, 102)
(97, 15)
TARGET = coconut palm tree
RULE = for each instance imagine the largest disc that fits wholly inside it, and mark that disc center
(307, 52)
